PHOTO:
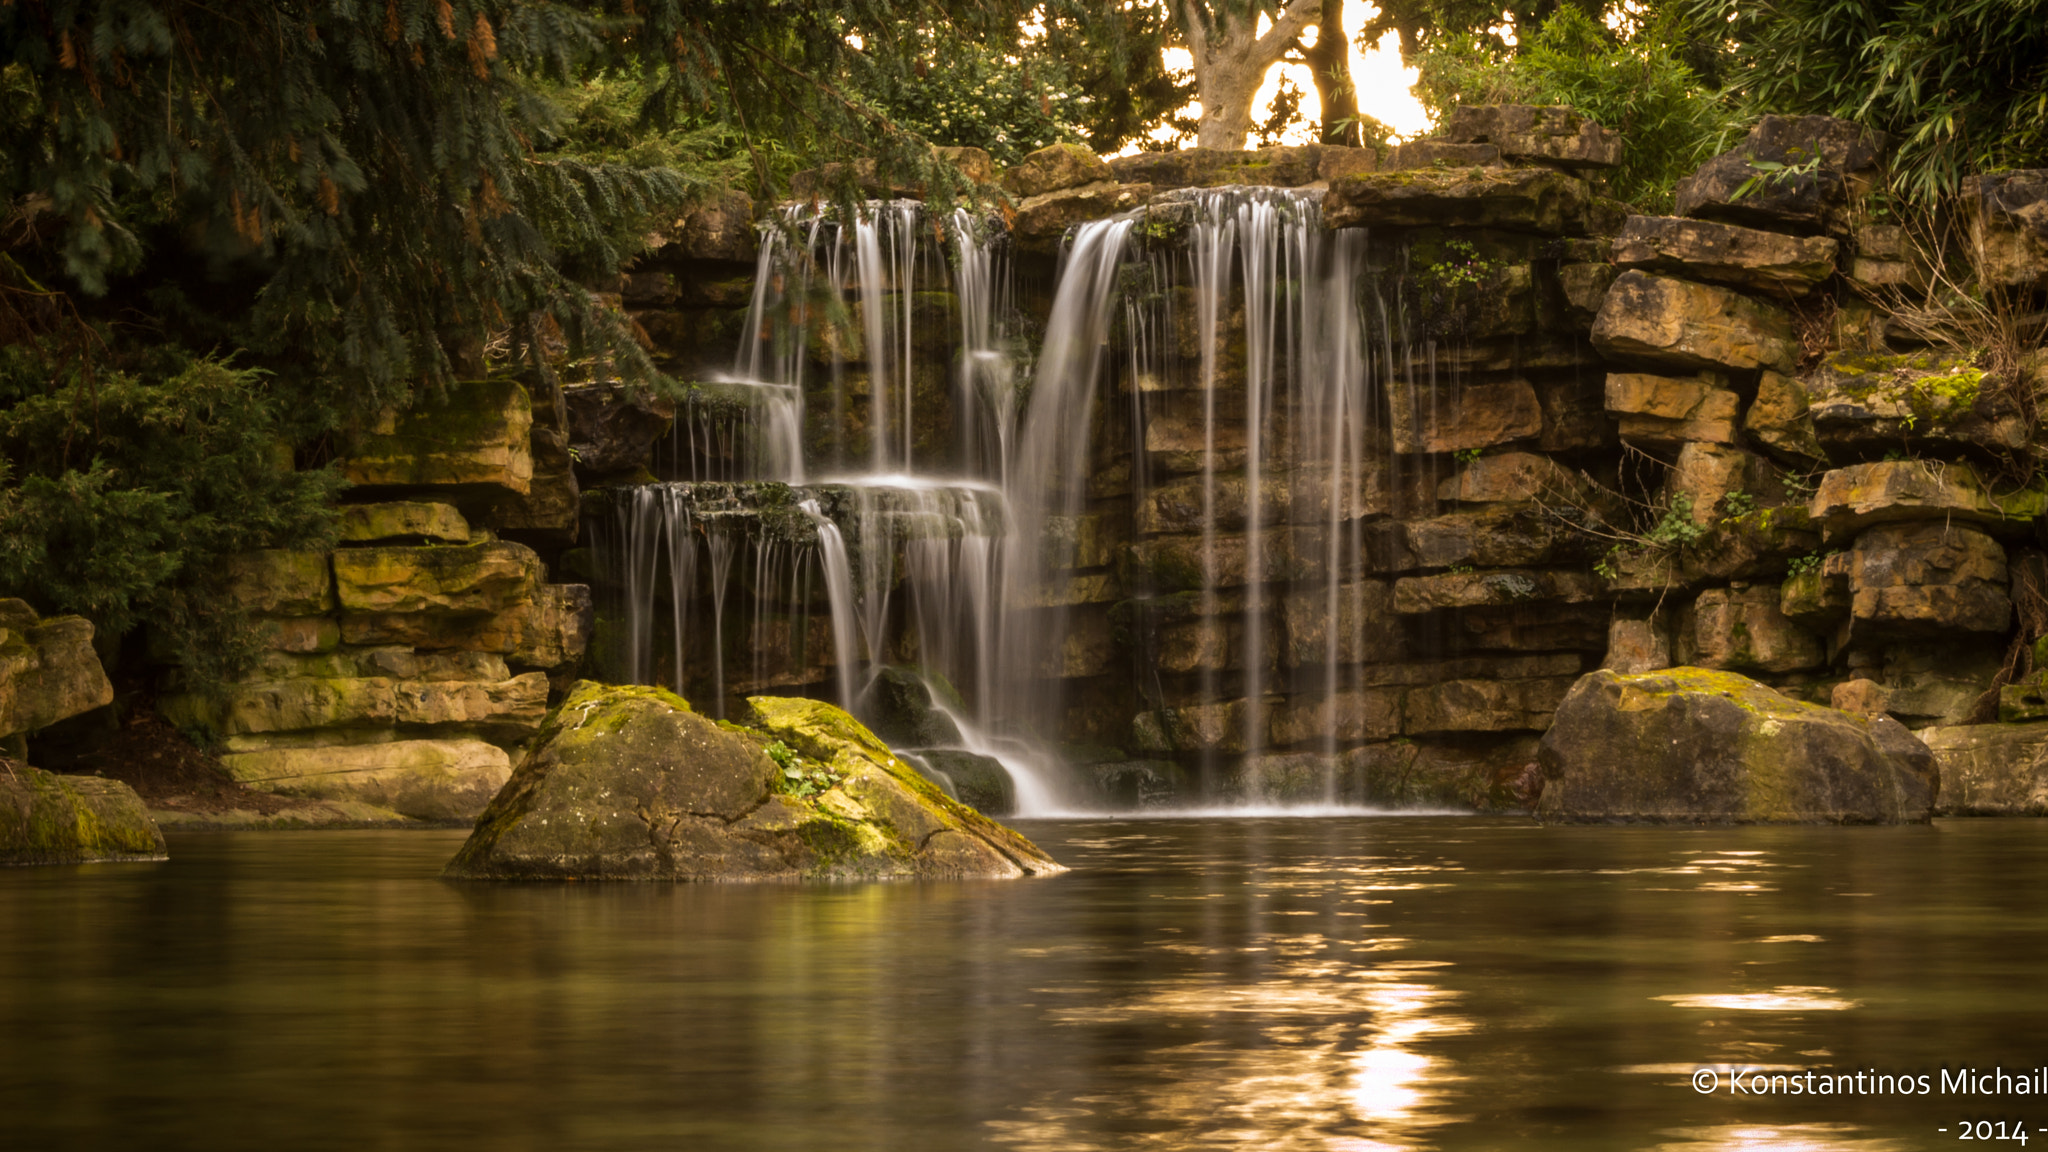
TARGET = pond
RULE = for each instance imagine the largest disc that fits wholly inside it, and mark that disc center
(1339, 983)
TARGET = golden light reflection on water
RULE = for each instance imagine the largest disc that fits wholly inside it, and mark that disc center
(1777, 1138)
(1783, 999)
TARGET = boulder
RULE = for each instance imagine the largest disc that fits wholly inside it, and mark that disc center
(1636, 646)
(1991, 769)
(1439, 154)
(1538, 200)
(1545, 134)
(980, 782)
(1665, 412)
(409, 520)
(474, 579)
(474, 441)
(279, 582)
(1745, 630)
(2007, 216)
(1927, 579)
(1042, 220)
(1862, 697)
(438, 781)
(1859, 496)
(48, 669)
(1820, 159)
(612, 428)
(1460, 417)
(720, 227)
(50, 819)
(629, 784)
(1781, 420)
(1747, 258)
(1692, 326)
(1055, 168)
(1693, 746)
(901, 710)
(1864, 403)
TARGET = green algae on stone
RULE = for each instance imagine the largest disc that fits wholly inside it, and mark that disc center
(50, 819)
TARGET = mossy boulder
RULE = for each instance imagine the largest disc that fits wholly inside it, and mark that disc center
(1865, 403)
(1694, 746)
(903, 709)
(472, 441)
(471, 579)
(980, 782)
(50, 819)
(627, 783)
(48, 669)
(415, 521)
(1053, 168)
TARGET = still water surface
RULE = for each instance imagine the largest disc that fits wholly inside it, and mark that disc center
(1331, 984)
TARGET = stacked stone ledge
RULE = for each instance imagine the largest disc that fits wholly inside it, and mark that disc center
(403, 670)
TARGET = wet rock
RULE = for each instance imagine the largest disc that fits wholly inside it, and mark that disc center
(1276, 167)
(1692, 326)
(1512, 199)
(439, 781)
(48, 669)
(1055, 168)
(1781, 419)
(410, 520)
(1817, 596)
(1337, 161)
(1764, 262)
(475, 442)
(1458, 418)
(1136, 783)
(2007, 216)
(50, 819)
(1692, 746)
(629, 784)
(1440, 154)
(1636, 646)
(1415, 594)
(1483, 705)
(472, 579)
(278, 582)
(1927, 579)
(1348, 717)
(1859, 496)
(1497, 536)
(1821, 157)
(551, 510)
(1219, 726)
(612, 428)
(1042, 220)
(1470, 774)
(721, 227)
(1869, 402)
(900, 709)
(1548, 134)
(1664, 412)
(980, 782)
(1991, 769)
(1511, 478)
(1361, 621)
(1745, 630)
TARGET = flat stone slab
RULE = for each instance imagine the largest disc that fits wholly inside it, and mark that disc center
(1767, 262)
(1692, 326)
(1539, 200)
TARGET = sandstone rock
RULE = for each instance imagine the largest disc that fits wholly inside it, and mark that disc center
(1817, 597)
(1765, 262)
(277, 582)
(980, 782)
(1926, 579)
(1781, 419)
(440, 781)
(551, 510)
(1456, 418)
(1440, 154)
(1886, 258)
(1483, 705)
(1512, 478)
(1550, 134)
(628, 783)
(1347, 717)
(1276, 167)
(1415, 594)
(1585, 288)
(298, 633)
(50, 819)
(551, 631)
(1693, 746)
(1042, 220)
(1806, 202)
(48, 669)
(1468, 773)
(1863, 697)
(1692, 326)
(475, 579)
(1337, 161)
(1665, 412)
(1889, 491)
(1991, 769)
(1744, 630)
(475, 442)
(1055, 168)
(1497, 536)
(720, 227)
(1869, 402)
(2007, 215)
(1136, 783)
(1219, 726)
(902, 711)
(974, 163)
(1941, 684)
(613, 428)
(1281, 778)
(1513, 199)
(1362, 622)
(399, 520)
(1636, 646)
(1706, 474)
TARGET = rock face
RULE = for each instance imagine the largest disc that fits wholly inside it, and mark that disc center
(1054, 168)
(1865, 403)
(48, 669)
(629, 784)
(1888, 491)
(612, 428)
(432, 781)
(475, 443)
(1991, 769)
(1548, 134)
(1726, 254)
(1820, 158)
(1665, 412)
(1041, 220)
(1687, 745)
(1515, 199)
(1691, 326)
(2008, 222)
(51, 819)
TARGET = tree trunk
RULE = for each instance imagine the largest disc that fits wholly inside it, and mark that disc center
(1329, 62)
(1231, 60)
